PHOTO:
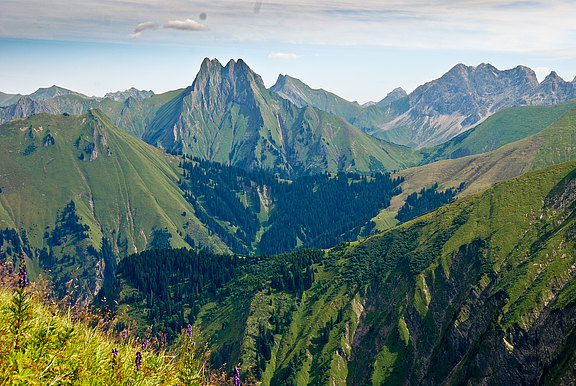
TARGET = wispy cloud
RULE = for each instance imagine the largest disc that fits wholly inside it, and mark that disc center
(186, 25)
(283, 55)
(528, 27)
(146, 25)
(142, 27)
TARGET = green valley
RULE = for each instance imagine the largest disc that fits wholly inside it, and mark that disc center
(451, 297)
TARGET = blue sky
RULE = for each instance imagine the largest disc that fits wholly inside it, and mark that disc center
(360, 50)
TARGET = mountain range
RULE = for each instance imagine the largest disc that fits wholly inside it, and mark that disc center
(107, 195)
(443, 108)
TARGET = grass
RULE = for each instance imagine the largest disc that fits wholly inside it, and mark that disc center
(56, 347)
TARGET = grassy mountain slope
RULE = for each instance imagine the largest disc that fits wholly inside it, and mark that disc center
(506, 126)
(8, 99)
(122, 188)
(479, 291)
(553, 145)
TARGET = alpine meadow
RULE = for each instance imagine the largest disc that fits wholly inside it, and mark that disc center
(287, 193)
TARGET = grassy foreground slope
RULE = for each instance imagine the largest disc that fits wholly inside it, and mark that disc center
(480, 291)
(51, 347)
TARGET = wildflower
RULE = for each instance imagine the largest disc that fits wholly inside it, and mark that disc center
(192, 343)
(189, 328)
(23, 279)
(145, 345)
(114, 359)
(138, 360)
(236, 376)
(124, 334)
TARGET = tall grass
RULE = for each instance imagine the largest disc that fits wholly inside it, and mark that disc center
(42, 345)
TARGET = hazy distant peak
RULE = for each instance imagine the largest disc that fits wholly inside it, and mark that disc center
(52, 92)
(392, 96)
(553, 76)
(129, 93)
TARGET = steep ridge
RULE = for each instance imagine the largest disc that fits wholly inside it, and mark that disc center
(464, 97)
(228, 116)
(57, 167)
(366, 118)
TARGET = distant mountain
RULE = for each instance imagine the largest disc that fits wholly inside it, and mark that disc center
(463, 97)
(394, 95)
(58, 167)
(303, 95)
(367, 117)
(229, 116)
(24, 107)
(120, 96)
(53, 91)
(40, 95)
(8, 99)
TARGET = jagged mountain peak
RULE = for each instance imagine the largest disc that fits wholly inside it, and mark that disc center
(214, 74)
(553, 76)
(392, 96)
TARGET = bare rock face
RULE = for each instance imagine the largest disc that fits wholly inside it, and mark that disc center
(25, 107)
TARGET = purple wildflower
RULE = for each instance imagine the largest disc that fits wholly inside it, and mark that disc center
(23, 279)
(114, 359)
(192, 343)
(124, 334)
(189, 328)
(145, 345)
(236, 376)
(138, 360)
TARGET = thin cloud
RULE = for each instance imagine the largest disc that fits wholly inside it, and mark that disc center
(146, 25)
(135, 35)
(283, 55)
(185, 25)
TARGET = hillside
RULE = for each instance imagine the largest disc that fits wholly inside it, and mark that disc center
(480, 291)
(41, 344)
(506, 126)
(77, 183)
(552, 145)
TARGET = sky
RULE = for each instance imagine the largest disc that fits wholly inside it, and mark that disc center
(360, 50)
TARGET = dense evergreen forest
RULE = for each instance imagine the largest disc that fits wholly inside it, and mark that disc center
(258, 212)
(426, 200)
(171, 285)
